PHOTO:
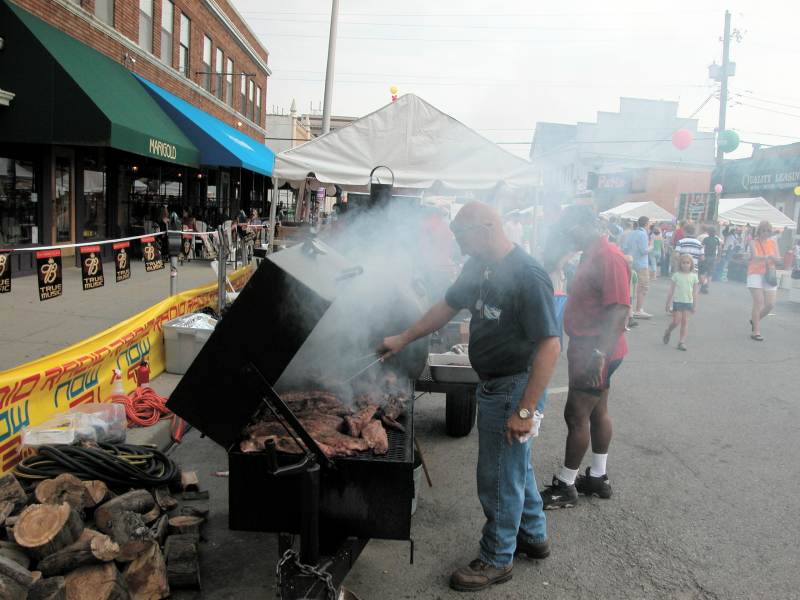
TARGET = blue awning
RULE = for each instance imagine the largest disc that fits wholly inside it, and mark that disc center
(219, 143)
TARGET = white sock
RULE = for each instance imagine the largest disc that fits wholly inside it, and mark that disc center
(598, 468)
(568, 475)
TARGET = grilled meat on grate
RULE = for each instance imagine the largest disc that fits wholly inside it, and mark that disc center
(337, 429)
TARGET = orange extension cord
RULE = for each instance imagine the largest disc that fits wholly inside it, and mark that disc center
(144, 407)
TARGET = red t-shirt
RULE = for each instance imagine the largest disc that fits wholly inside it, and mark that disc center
(601, 280)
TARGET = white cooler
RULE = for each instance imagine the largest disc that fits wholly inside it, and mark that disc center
(184, 337)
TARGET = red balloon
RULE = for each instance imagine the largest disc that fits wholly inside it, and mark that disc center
(682, 139)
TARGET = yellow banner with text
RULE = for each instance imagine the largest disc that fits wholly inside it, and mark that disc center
(32, 393)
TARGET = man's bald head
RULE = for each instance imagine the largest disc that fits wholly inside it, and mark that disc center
(479, 232)
(478, 213)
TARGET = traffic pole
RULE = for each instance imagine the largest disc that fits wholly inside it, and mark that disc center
(723, 90)
(326, 106)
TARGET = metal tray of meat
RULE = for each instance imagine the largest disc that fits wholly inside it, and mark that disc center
(452, 368)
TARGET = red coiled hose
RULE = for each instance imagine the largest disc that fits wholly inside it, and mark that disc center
(144, 408)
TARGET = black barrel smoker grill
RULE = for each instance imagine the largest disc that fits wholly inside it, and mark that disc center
(302, 316)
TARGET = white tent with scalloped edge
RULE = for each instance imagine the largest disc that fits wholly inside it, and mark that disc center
(634, 210)
(751, 211)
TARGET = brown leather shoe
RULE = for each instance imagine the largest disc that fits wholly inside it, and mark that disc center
(532, 549)
(478, 575)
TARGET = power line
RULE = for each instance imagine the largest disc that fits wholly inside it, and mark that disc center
(759, 99)
(671, 11)
(769, 110)
(560, 41)
(486, 83)
(460, 26)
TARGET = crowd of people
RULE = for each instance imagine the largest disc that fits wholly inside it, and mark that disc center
(594, 274)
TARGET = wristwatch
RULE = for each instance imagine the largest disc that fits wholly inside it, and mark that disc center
(524, 413)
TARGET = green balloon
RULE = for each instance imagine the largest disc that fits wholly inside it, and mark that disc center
(728, 140)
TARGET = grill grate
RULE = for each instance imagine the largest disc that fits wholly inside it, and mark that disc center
(401, 445)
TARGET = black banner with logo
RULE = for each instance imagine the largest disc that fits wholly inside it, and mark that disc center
(122, 260)
(151, 254)
(5, 272)
(48, 270)
(186, 245)
(91, 267)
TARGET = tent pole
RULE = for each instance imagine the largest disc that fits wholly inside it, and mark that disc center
(272, 212)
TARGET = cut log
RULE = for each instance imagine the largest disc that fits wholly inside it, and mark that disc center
(14, 580)
(47, 528)
(183, 567)
(160, 529)
(89, 549)
(64, 488)
(153, 514)
(11, 490)
(195, 510)
(16, 553)
(195, 495)
(129, 530)
(164, 499)
(138, 501)
(189, 481)
(97, 492)
(146, 576)
(185, 524)
(10, 522)
(6, 508)
(98, 582)
(52, 588)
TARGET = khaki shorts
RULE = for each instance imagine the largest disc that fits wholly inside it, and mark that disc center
(644, 279)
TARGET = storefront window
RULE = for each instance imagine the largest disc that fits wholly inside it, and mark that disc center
(94, 204)
(19, 214)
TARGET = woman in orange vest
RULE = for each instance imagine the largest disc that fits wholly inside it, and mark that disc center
(763, 253)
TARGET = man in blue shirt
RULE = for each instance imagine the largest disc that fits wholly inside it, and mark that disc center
(637, 245)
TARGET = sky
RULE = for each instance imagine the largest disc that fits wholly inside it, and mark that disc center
(499, 67)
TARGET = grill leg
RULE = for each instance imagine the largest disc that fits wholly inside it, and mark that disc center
(309, 524)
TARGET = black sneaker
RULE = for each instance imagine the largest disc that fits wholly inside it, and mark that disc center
(589, 485)
(535, 550)
(559, 495)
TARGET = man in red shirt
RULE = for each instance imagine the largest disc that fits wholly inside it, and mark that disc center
(594, 318)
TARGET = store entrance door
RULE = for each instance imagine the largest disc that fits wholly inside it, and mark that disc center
(64, 201)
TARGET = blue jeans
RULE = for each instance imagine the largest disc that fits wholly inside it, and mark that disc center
(506, 484)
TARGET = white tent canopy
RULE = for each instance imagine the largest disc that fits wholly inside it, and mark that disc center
(634, 210)
(743, 211)
(423, 147)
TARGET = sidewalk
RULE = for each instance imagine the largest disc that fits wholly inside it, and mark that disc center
(30, 328)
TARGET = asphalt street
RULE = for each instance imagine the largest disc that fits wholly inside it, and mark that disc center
(703, 467)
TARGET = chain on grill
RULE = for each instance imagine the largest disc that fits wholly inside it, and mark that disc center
(325, 578)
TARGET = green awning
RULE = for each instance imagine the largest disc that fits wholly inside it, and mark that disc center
(68, 93)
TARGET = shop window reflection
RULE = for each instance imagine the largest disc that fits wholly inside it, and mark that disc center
(19, 214)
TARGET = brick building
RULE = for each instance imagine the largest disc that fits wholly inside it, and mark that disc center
(113, 109)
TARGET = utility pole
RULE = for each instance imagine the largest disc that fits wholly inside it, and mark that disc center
(326, 108)
(723, 90)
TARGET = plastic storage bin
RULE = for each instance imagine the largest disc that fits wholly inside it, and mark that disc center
(183, 339)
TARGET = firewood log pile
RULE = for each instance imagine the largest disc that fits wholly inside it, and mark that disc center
(69, 539)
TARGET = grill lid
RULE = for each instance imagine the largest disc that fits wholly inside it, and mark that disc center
(299, 321)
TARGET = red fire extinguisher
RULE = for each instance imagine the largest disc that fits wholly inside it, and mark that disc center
(143, 374)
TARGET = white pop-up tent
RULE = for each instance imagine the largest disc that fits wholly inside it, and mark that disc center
(424, 148)
(634, 210)
(744, 211)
